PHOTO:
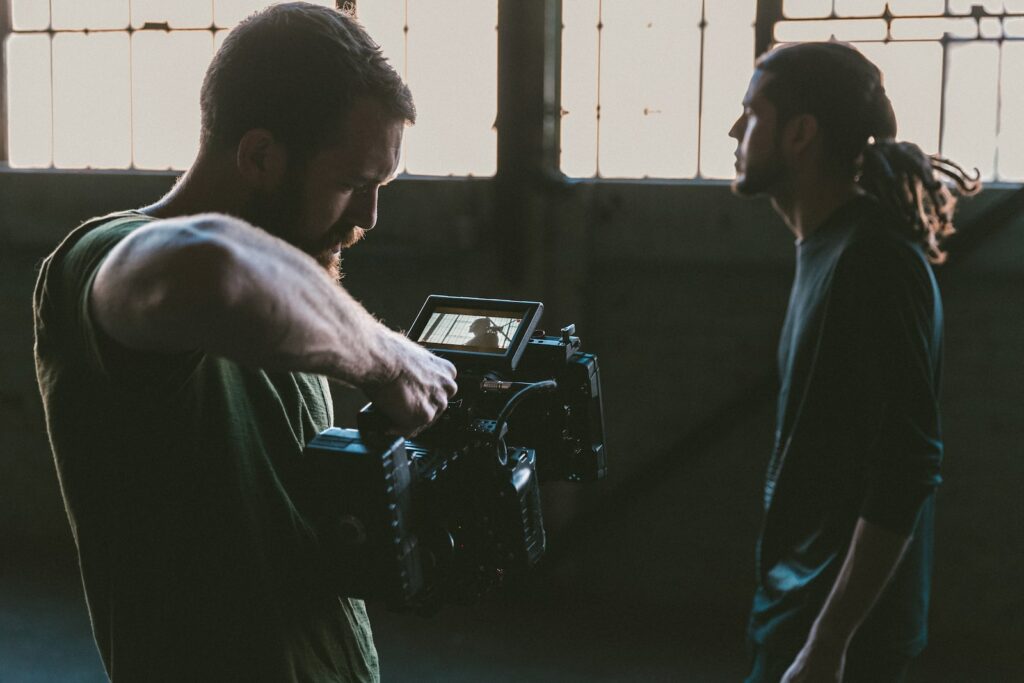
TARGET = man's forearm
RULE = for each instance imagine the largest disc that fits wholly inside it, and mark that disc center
(872, 558)
(870, 562)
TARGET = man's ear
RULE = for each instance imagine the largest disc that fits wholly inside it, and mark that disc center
(800, 133)
(261, 159)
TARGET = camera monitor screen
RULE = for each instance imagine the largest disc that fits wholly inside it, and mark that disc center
(476, 328)
(466, 328)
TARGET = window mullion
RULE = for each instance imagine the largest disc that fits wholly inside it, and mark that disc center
(5, 30)
(769, 13)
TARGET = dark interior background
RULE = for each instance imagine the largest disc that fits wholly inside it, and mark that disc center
(680, 289)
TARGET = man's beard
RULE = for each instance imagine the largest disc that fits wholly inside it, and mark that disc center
(330, 259)
(279, 212)
(759, 178)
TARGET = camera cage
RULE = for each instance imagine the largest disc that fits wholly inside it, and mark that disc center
(456, 513)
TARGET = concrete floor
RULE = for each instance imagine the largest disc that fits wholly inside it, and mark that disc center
(45, 638)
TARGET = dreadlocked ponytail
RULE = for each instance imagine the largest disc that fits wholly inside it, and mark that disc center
(922, 189)
(844, 91)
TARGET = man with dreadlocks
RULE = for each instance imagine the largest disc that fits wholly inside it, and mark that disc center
(844, 557)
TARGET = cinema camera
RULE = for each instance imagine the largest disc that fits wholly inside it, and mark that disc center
(456, 512)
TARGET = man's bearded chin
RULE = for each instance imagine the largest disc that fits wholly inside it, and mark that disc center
(330, 259)
(757, 180)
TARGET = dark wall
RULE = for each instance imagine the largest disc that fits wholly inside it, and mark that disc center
(680, 289)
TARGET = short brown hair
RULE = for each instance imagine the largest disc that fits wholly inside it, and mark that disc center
(293, 69)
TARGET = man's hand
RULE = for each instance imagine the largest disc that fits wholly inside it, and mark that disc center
(817, 663)
(418, 392)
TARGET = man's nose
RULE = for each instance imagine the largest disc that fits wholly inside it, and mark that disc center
(363, 209)
(736, 130)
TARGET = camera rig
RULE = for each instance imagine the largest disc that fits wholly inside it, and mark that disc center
(456, 512)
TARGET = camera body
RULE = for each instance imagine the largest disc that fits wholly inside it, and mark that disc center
(456, 512)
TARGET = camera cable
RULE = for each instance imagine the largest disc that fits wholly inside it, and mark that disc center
(501, 422)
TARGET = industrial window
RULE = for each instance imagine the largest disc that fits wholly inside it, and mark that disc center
(651, 87)
(115, 83)
(952, 69)
(447, 52)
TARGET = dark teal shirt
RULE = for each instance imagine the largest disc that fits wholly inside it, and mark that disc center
(857, 428)
(179, 474)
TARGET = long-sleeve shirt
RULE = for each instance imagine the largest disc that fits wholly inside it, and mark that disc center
(857, 429)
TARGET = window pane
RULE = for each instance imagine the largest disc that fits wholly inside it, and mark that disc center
(229, 12)
(969, 137)
(28, 100)
(1011, 115)
(75, 14)
(851, 30)
(860, 8)
(913, 7)
(990, 27)
(91, 102)
(384, 20)
(650, 52)
(807, 8)
(452, 72)
(165, 103)
(917, 29)
(579, 88)
(178, 14)
(965, 6)
(30, 15)
(728, 64)
(913, 81)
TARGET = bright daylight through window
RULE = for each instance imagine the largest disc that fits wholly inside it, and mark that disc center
(115, 83)
(649, 87)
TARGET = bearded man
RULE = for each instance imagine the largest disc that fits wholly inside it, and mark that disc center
(844, 556)
(183, 351)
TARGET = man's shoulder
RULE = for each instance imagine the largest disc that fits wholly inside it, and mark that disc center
(880, 244)
(66, 273)
(84, 247)
(100, 233)
(880, 263)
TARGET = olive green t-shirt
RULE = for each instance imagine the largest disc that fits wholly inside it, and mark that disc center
(182, 479)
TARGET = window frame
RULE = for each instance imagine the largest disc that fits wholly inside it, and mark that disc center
(531, 27)
(774, 15)
(528, 106)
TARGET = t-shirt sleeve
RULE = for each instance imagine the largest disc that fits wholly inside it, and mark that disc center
(889, 298)
(102, 354)
(76, 273)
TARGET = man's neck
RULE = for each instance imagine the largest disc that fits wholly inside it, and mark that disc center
(808, 204)
(209, 186)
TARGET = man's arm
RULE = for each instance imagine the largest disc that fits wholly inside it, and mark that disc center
(872, 559)
(219, 285)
